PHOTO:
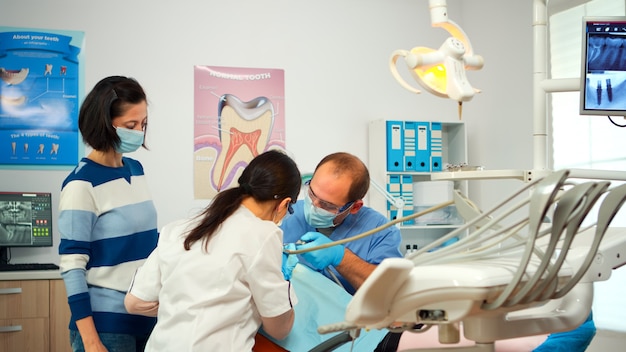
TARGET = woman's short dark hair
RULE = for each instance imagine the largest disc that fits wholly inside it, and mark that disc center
(109, 98)
(270, 176)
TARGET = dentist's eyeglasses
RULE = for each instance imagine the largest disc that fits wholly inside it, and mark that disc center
(328, 206)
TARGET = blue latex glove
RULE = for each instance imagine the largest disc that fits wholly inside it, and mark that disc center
(321, 258)
(289, 261)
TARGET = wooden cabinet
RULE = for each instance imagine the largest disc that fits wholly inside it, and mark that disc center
(59, 317)
(24, 316)
(34, 316)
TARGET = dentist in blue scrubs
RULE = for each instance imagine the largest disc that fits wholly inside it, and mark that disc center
(333, 210)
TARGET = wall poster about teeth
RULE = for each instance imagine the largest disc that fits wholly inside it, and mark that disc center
(239, 113)
(40, 92)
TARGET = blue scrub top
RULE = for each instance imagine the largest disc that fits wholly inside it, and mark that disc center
(373, 249)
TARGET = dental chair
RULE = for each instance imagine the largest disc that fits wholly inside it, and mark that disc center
(509, 275)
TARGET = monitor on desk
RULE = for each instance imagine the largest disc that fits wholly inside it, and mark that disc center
(25, 221)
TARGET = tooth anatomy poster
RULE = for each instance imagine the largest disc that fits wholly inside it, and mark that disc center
(40, 73)
(238, 114)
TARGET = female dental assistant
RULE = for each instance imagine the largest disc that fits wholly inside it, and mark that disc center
(216, 278)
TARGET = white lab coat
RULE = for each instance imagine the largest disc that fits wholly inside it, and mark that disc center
(214, 300)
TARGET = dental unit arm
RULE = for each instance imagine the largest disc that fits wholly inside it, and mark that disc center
(499, 281)
(397, 202)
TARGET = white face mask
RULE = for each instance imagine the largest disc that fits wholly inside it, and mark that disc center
(280, 222)
(130, 140)
(287, 213)
(317, 217)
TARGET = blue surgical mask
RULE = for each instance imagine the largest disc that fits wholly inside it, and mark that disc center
(130, 140)
(317, 217)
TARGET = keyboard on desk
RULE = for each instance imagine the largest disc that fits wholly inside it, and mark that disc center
(28, 266)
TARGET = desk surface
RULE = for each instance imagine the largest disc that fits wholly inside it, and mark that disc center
(30, 275)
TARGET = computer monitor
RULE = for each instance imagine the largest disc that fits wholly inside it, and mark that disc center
(603, 77)
(25, 221)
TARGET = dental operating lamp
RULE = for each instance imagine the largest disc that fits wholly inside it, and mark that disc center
(442, 71)
(543, 85)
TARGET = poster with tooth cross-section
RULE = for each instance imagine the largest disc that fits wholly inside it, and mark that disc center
(40, 87)
(239, 113)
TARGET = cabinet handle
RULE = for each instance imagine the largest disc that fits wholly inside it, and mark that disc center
(11, 328)
(10, 291)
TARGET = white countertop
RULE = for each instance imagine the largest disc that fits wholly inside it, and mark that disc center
(30, 275)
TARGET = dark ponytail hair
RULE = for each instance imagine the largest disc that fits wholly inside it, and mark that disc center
(270, 176)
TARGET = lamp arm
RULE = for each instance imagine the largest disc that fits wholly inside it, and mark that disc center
(439, 18)
(458, 33)
(470, 60)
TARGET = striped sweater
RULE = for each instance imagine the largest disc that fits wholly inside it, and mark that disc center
(108, 227)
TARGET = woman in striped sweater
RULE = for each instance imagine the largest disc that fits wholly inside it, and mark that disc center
(107, 220)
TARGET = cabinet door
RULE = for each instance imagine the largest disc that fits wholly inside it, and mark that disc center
(24, 299)
(24, 335)
(59, 317)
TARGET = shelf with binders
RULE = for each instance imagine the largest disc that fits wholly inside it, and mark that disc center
(403, 157)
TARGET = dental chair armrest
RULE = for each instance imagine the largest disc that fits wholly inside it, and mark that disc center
(372, 301)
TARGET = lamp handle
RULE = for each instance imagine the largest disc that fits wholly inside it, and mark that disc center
(394, 70)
